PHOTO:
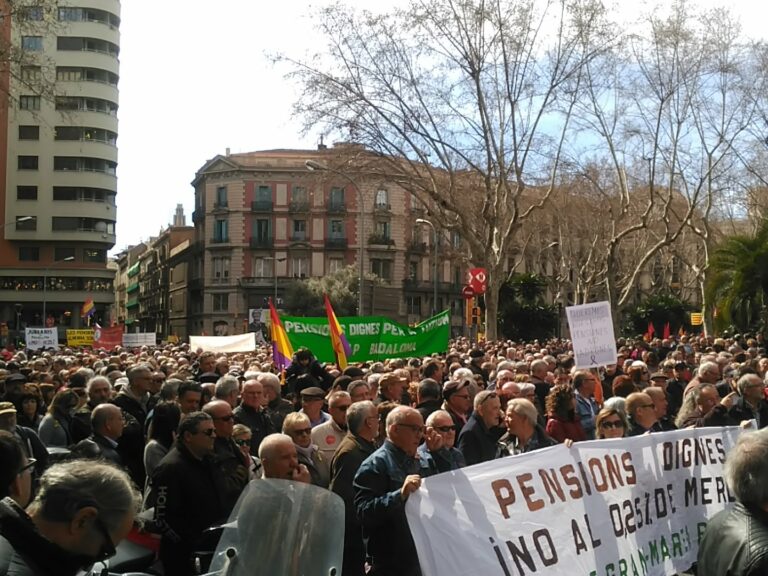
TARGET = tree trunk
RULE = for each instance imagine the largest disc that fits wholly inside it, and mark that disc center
(492, 305)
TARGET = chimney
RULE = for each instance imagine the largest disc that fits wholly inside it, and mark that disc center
(178, 218)
(321, 145)
(228, 151)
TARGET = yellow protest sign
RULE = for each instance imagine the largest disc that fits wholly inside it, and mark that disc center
(80, 337)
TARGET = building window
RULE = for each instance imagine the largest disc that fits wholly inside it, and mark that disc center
(28, 162)
(336, 229)
(264, 194)
(299, 230)
(383, 230)
(382, 268)
(336, 198)
(413, 270)
(220, 302)
(261, 233)
(455, 239)
(413, 305)
(26, 192)
(29, 132)
(220, 269)
(29, 102)
(299, 195)
(26, 223)
(94, 255)
(32, 43)
(63, 252)
(30, 13)
(29, 253)
(300, 266)
(221, 231)
(75, 224)
(262, 268)
(221, 197)
(70, 14)
(31, 74)
(382, 199)
(335, 264)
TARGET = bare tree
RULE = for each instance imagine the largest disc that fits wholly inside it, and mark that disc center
(467, 104)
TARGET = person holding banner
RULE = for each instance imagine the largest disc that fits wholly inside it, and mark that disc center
(438, 448)
(478, 441)
(562, 423)
(524, 434)
(611, 423)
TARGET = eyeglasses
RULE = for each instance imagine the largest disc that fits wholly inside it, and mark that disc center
(648, 406)
(108, 547)
(243, 441)
(306, 431)
(227, 418)
(29, 465)
(611, 424)
(415, 428)
(444, 429)
(207, 431)
(490, 396)
(465, 396)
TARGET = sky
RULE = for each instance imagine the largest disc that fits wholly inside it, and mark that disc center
(196, 79)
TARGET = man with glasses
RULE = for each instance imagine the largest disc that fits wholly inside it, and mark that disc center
(355, 447)
(189, 493)
(438, 449)
(82, 511)
(479, 439)
(228, 459)
(750, 403)
(457, 402)
(524, 433)
(382, 485)
(641, 413)
(328, 436)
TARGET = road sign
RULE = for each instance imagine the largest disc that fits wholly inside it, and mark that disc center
(467, 292)
(478, 280)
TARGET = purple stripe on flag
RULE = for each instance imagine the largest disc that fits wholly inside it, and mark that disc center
(280, 360)
(345, 345)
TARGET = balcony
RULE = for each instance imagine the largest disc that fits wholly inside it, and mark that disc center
(256, 281)
(299, 237)
(337, 208)
(260, 243)
(298, 206)
(218, 240)
(379, 240)
(335, 243)
(198, 215)
(261, 206)
(416, 247)
(382, 207)
(220, 206)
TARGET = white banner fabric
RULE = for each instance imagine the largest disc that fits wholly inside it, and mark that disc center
(591, 327)
(236, 343)
(136, 339)
(37, 338)
(601, 508)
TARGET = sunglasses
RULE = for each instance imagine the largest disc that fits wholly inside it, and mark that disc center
(306, 431)
(30, 464)
(444, 429)
(611, 424)
(207, 431)
(108, 547)
(243, 442)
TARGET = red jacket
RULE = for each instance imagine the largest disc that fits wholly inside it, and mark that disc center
(562, 429)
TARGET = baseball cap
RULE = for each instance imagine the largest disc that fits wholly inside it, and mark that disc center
(7, 408)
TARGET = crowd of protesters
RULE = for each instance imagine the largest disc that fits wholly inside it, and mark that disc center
(191, 429)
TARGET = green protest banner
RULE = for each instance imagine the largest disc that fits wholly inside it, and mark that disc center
(370, 337)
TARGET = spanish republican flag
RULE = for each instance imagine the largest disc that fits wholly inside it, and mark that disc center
(341, 347)
(88, 308)
(282, 351)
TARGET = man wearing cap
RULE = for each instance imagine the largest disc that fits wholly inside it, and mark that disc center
(391, 388)
(476, 359)
(312, 401)
(14, 387)
(33, 446)
(457, 402)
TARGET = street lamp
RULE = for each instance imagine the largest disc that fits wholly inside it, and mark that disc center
(45, 282)
(274, 272)
(316, 166)
(18, 221)
(434, 264)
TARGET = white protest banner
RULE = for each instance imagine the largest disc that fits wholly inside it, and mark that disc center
(602, 508)
(37, 338)
(591, 329)
(137, 339)
(236, 343)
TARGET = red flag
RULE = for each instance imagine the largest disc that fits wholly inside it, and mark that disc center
(651, 330)
(666, 332)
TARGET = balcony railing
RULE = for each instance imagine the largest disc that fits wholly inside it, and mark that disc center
(221, 205)
(337, 207)
(261, 206)
(382, 207)
(336, 243)
(298, 206)
(299, 237)
(220, 240)
(417, 247)
(380, 240)
(260, 243)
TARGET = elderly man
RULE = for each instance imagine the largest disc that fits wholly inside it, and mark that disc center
(227, 457)
(82, 511)
(708, 373)
(99, 391)
(228, 390)
(15, 480)
(479, 439)
(539, 370)
(328, 436)
(703, 407)
(661, 406)
(190, 394)
(107, 424)
(735, 541)
(457, 402)
(641, 413)
(438, 450)
(277, 407)
(189, 492)
(251, 413)
(508, 391)
(362, 421)
(359, 391)
(524, 433)
(391, 387)
(30, 442)
(279, 460)
(382, 485)
(427, 397)
(312, 403)
(584, 383)
(750, 403)
(132, 400)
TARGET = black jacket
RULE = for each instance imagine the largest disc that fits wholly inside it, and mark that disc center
(477, 443)
(97, 447)
(742, 411)
(735, 543)
(131, 443)
(232, 468)
(189, 497)
(24, 552)
(427, 407)
(259, 423)
(313, 375)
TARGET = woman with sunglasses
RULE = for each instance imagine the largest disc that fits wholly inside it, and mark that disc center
(241, 435)
(611, 423)
(298, 427)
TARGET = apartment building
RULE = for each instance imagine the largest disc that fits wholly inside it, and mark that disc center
(58, 159)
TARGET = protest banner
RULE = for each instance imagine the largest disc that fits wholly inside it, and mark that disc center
(591, 327)
(370, 337)
(602, 508)
(37, 338)
(138, 339)
(80, 337)
(236, 343)
(107, 338)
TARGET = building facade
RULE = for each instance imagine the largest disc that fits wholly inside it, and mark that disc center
(58, 159)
